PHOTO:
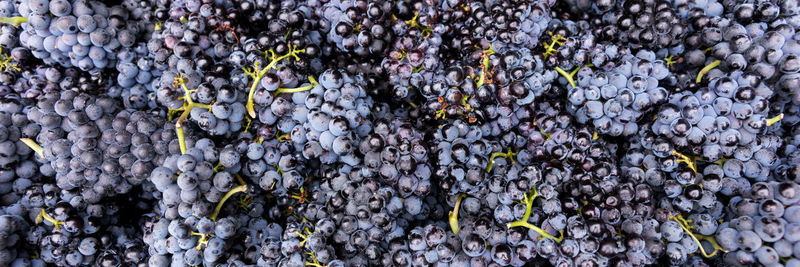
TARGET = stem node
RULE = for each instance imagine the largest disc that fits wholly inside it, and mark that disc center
(528, 201)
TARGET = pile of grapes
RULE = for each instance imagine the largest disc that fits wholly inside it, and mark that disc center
(332, 133)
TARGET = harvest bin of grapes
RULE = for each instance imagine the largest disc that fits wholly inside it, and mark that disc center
(333, 133)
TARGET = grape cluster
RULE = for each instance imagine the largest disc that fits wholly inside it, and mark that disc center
(614, 101)
(17, 164)
(13, 229)
(83, 34)
(361, 27)
(87, 143)
(399, 133)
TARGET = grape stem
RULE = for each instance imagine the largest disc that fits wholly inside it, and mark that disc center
(706, 69)
(16, 21)
(188, 105)
(257, 73)
(314, 261)
(689, 161)
(524, 221)
(465, 103)
(670, 60)
(555, 39)
(545, 134)
(218, 167)
(181, 139)
(485, 65)
(313, 82)
(300, 197)
(774, 120)
(238, 189)
(571, 76)
(233, 31)
(284, 137)
(43, 216)
(6, 62)
(239, 179)
(303, 236)
(453, 215)
(684, 223)
(33, 145)
(425, 31)
(508, 154)
(245, 201)
(441, 113)
(203, 240)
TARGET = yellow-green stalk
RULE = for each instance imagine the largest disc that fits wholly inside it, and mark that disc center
(34, 146)
(706, 69)
(188, 105)
(571, 76)
(238, 189)
(528, 201)
(44, 217)
(684, 223)
(256, 72)
(508, 154)
(453, 215)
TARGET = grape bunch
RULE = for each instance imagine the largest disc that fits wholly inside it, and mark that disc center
(399, 133)
(84, 34)
(88, 144)
(614, 101)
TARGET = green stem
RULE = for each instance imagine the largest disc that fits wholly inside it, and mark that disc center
(203, 240)
(314, 261)
(684, 225)
(257, 73)
(442, 113)
(239, 179)
(508, 154)
(300, 197)
(670, 60)
(689, 161)
(218, 167)
(238, 189)
(13, 20)
(181, 140)
(299, 89)
(453, 215)
(555, 39)
(571, 76)
(43, 216)
(414, 24)
(706, 69)
(774, 120)
(33, 145)
(6, 62)
(304, 237)
(524, 221)
(284, 137)
(188, 105)
(485, 65)
(566, 75)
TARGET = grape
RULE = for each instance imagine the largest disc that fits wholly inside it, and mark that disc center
(374, 133)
